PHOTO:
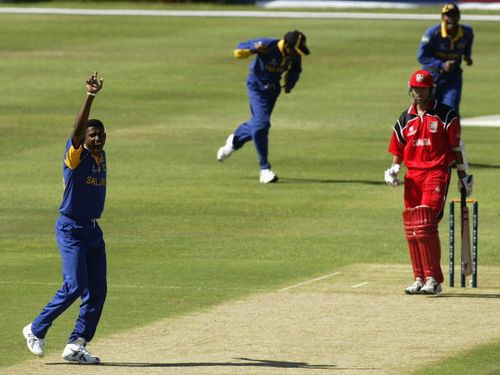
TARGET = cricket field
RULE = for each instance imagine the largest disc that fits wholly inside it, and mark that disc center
(209, 271)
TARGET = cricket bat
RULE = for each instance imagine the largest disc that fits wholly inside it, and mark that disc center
(465, 235)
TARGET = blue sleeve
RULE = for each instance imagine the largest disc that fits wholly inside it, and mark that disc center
(468, 45)
(69, 143)
(252, 43)
(427, 50)
(292, 76)
(248, 45)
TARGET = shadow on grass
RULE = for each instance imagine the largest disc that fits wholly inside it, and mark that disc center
(249, 362)
(485, 166)
(328, 181)
(466, 295)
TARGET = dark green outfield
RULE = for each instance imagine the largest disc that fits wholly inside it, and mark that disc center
(185, 232)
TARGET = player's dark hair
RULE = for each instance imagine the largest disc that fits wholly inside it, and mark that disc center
(94, 123)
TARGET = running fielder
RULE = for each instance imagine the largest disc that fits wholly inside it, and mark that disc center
(426, 138)
(441, 51)
(274, 58)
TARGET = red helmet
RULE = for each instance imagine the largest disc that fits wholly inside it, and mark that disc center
(421, 78)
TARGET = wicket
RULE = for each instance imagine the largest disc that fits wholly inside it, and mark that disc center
(475, 206)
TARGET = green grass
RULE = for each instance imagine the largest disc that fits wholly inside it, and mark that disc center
(184, 232)
(484, 359)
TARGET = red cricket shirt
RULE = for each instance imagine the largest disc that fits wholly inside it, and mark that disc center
(426, 142)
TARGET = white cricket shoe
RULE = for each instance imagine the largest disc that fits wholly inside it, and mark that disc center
(431, 286)
(35, 345)
(267, 176)
(415, 287)
(225, 151)
(76, 352)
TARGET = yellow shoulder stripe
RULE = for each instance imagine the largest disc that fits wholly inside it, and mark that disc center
(73, 155)
(242, 53)
(444, 34)
(281, 46)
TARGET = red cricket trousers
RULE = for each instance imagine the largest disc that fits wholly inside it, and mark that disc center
(425, 196)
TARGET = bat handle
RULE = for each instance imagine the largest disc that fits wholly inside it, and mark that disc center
(463, 197)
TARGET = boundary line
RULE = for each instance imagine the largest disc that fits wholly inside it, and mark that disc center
(490, 120)
(310, 281)
(276, 4)
(387, 4)
(238, 14)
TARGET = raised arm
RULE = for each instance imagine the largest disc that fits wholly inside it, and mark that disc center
(94, 85)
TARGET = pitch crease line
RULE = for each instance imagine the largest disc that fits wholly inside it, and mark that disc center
(310, 281)
(360, 284)
(118, 286)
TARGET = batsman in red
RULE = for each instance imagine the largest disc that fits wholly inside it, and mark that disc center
(426, 138)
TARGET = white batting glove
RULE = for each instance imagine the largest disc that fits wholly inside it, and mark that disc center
(466, 183)
(391, 175)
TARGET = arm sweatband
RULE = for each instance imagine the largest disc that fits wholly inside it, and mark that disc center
(461, 149)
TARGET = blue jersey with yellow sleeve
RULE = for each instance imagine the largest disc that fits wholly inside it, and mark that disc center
(436, 47)
(270, 63)
(84, 183)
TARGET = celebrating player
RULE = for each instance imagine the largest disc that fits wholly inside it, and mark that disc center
(427, 138)
(79, 237)
(441, 50)
(273, 58)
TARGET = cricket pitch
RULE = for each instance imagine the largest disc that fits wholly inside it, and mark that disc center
(358, 321)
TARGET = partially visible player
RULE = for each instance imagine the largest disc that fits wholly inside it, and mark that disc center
(79, 237)
(441, 51)
(273, 58)
(426, 138)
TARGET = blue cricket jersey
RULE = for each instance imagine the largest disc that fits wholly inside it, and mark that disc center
(436, 47)
(84, 183)
(268, 66)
